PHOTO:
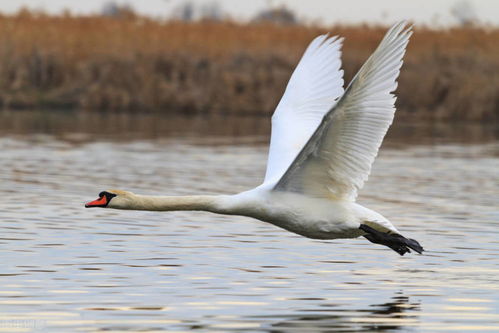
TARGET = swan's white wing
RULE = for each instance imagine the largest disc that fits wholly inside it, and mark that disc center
(337, 159)
(311, 92)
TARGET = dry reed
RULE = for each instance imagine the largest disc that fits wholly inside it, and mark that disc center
(139, 64)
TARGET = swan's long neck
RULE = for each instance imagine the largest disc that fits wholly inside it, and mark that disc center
(211, 203)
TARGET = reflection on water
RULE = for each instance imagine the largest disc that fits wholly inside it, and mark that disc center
(397, 314)
(68, 269)
(84, 127)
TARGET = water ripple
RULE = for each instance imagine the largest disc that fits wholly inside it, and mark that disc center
(65, 268)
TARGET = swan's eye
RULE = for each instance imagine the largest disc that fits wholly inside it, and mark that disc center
(102, 201)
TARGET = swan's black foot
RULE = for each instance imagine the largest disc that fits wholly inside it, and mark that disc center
(397, 243)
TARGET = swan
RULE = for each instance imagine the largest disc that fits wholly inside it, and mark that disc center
(323, 142)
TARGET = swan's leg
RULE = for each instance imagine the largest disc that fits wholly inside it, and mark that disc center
(397, 243)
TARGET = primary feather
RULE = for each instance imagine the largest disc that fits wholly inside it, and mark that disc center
(311, 92)
(337, 158)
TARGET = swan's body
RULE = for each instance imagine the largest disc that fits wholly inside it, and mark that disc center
(324, 141)
(310, 217)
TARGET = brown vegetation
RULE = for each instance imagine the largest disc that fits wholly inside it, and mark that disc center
(138, 64)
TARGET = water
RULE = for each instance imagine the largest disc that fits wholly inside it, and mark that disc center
(68, 269)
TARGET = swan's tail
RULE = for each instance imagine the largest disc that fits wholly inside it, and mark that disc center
(396, 242)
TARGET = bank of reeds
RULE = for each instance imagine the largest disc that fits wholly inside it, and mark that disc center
(142, 65)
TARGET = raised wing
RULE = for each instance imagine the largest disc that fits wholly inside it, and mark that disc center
(337, 159)
(312, 90)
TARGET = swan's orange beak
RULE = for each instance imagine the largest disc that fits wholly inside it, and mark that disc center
(101, 202)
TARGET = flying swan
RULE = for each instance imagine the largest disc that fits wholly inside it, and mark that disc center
(324, 140)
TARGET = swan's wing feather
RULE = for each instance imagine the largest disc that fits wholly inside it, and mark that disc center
(337, 159)
(311, 92)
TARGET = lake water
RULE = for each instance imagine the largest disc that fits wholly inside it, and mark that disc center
(65, 268)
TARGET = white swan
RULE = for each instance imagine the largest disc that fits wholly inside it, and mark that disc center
(323, 143)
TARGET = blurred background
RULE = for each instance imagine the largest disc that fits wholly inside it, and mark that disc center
(175, 97)
(234, 58)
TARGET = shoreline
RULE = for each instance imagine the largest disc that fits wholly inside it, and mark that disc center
(136, 64)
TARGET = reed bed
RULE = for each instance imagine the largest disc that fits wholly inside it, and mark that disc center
(138, 64)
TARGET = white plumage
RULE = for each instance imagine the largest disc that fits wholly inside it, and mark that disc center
(323, 143)
(311, 92)
(337, 158)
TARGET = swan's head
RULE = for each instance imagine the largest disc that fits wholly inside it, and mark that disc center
(111, 199)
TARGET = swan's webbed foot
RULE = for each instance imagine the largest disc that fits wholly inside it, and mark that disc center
(397, 243)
